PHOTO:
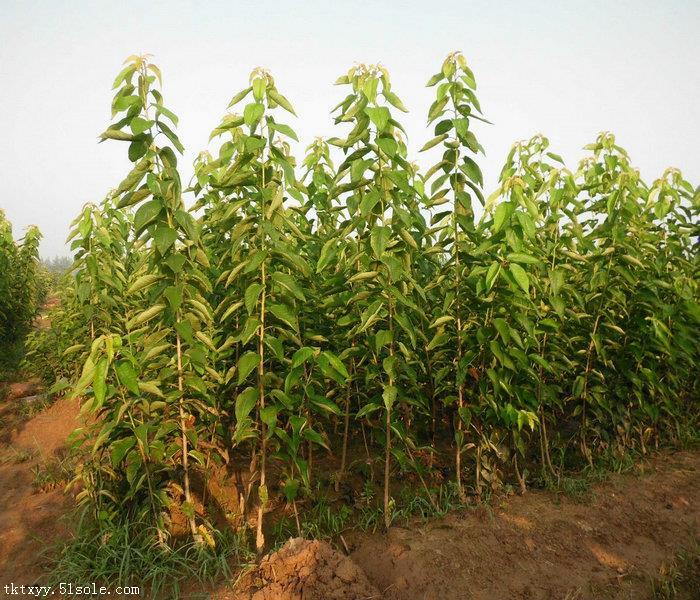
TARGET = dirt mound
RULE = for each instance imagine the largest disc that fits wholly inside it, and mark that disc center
(305, 570)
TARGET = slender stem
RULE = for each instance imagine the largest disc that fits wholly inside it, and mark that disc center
(346, 425)
(185, 450)
(259, 535)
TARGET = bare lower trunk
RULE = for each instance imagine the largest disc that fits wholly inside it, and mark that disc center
(262, 487)
(478, 473)
(521, 479)
(185, 449)
(458, 451)
(387, 466)
(344, 454)
(544, 445)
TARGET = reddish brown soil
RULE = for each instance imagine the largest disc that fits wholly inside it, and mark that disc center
(30, 519)
(304, 570)
(538, 546)
(541, 546)
(42, 320)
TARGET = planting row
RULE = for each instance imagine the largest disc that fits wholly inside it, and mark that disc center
(352, 296)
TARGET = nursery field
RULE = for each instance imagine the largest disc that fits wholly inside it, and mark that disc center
(433, 377)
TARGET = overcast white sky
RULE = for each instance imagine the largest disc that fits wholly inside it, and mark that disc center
(567, 69)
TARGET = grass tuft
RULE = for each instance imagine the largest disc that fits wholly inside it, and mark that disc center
(129, 554)
(679, 580)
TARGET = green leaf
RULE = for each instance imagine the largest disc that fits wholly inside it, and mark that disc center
(520, 276)
(99, 383)
(268, 415)
(170, 134)
(362, 276)
(492, 274)
(394, 100)
(239, 96)
(282, 312)
(441, 321)
(143, 282)
(503, 330)
(246, 363)
(288, 282)
(252, 294)
(284, 130)
(245, 402)
(290, 489)
(139, 125)
(127, 376)
(315, 437)
(435, 79)
(301, 356)
(325, 405)
(259, 86)
(503, 211)
(368, 202)
(174, 297)
(379, 238)
(434, 142)
(388, 145)
(164, 237)
(252, 113)
(255, 261)
(145, 214)
(120, 448)
(146, 315)
(150, 387)
(273, 94)
(379, 115)
(525, 259)
(116, 134)
(472, 170)
(557, 277)
(328, 251)
(389, 396)
(336, 363)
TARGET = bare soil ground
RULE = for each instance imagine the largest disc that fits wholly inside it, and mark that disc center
(543, 546)
(29, 517)
(614, 544)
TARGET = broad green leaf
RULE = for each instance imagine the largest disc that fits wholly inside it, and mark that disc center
(252, 294)
(274, 95)
(525, 259)
(520, 276)
(127, 376)
(120, 448)
(379, 115)
(389, 396)
(434, 142)
(164, 238)
(245, 402)
(252, 113)
(246, 364)
(99, 383)
(283, 312)
(379, 238)
(301, 356)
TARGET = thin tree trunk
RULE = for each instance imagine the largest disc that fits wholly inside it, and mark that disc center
(185, 450)
(387, 467)
(262, 489)
(346, 428)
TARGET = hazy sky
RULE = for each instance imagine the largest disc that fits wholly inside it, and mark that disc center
(568, 70)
